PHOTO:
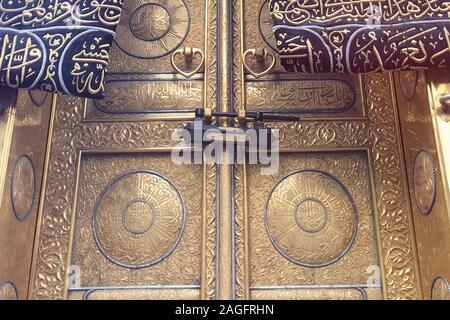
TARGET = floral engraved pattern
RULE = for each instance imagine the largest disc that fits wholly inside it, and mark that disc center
(394, 219)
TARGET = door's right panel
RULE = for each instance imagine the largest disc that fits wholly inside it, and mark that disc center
(430, 212)
(334, 221)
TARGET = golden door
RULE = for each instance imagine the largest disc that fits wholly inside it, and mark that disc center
(356, 209)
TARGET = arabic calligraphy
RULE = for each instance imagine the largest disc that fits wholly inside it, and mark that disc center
(153, 28)
(20, 56)
(142, 96)
(312, 95)
(343, 36)
(57, 46)
(39, 13)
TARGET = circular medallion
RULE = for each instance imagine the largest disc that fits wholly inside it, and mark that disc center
(38, 97)
(138, 219)
(440, 289)
(424, 182)
(265, 25)
(138, 216)
(311, 218)
(408, 81)
(8, 291)
(311, 215)
(150, 22)
(152, 28)
(22, 187)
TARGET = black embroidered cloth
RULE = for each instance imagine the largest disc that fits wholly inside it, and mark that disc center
(56, 45)
(361, 36)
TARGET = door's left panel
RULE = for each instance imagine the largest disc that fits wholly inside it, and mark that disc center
(23, 157)
(120, 219)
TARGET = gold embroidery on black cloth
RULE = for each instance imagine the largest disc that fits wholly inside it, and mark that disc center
(348, 36)
(57, 46)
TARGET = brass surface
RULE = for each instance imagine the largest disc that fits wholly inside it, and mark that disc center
(425, 176)
(226, 231)
(140, 225)
(373, 130)
(136, 294)
(317, 294)
(122, 143)
(24, 159)
(335, 249)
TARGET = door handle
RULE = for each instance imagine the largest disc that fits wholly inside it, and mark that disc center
(188, 53)
(260, 55)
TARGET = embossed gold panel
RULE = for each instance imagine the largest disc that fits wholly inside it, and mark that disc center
(141, 81)
(24, 159)
(312, 225)
(344, 230)
(138, 216)
(278, 91)
(347, 143)
(426, 185)
(337, 210)
(119, 219)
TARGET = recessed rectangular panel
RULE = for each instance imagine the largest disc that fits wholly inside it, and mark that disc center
(312, 226)
(307, 95)
(151, 30)
(137, 224)
(135, 294)
(137, 95)
(326, 293)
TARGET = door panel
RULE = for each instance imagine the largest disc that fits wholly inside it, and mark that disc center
(348, 130)
(141, 80)
(376, 145)
(120, 219)
(426, 186)
(25, 159)
(99, 168)
(312, 227)
(153, 239)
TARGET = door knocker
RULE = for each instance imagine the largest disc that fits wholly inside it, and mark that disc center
(260, 55)
(188, 53)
